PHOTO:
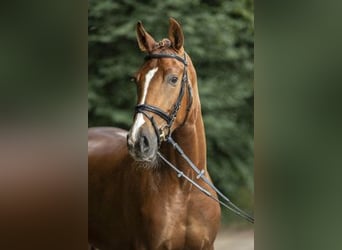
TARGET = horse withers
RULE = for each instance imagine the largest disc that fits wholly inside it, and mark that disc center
(136, 201)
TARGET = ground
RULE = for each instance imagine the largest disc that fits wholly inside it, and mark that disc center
(235, 239)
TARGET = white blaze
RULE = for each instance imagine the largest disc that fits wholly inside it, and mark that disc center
(139, 120)
(148, 79)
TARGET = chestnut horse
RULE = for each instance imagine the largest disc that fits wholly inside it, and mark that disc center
(136, 201)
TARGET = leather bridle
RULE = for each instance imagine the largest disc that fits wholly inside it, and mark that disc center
(164, 132)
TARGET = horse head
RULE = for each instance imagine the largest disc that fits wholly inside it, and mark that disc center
(164, 91)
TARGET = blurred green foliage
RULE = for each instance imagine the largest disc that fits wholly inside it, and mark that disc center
(219, 37)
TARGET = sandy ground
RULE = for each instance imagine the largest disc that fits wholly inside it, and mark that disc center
(235, 239)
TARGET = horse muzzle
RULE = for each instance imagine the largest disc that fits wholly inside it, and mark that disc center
(142, 144)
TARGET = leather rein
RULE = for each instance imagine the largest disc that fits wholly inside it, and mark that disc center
(163, 135)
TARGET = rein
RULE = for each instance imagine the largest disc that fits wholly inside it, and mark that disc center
(200, 175)
(162, 136)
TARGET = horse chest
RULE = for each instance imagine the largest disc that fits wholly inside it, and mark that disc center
(172, 225)
(152, 214)
(174, 233)
(164, 214)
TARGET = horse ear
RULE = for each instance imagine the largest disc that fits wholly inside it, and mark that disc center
(176, 34)
(145, 40)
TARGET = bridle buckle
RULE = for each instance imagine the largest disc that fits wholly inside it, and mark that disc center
(162, 134)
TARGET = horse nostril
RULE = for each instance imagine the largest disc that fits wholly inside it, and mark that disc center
(145, 141)
(144, 144)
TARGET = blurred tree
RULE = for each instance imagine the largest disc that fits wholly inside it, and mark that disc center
(219, 37)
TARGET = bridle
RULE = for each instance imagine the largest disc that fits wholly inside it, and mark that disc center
(166, 136)
(164, 132)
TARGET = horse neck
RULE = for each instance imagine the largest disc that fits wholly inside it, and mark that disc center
(191, 138)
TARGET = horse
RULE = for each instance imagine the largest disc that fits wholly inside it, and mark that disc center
(136, 201)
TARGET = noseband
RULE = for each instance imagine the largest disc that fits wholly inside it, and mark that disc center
(164, 132)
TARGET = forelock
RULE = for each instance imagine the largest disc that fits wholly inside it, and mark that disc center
(163, 44)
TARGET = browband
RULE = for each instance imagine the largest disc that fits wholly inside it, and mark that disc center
(181, 59)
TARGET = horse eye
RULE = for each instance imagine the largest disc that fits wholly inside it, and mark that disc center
(173, 80)
(133, 79)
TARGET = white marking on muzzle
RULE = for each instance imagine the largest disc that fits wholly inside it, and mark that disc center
(139, 120)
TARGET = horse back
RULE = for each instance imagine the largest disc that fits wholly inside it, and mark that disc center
(106, 142)
(107, 160)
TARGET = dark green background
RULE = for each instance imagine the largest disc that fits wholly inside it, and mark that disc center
(219, 37)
